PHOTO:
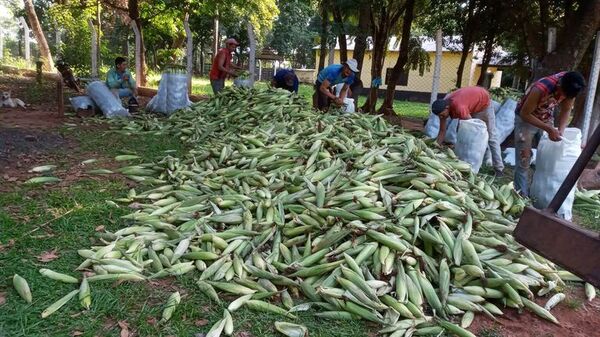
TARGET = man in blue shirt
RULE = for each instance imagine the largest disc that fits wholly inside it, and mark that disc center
(120, 81)
(285, 79)
(328, 78)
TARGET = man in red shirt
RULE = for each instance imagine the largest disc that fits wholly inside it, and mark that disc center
(467, 103)
(222, 66)
(535, 114)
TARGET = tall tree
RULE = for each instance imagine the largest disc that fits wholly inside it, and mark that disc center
(574, 38)
(340, 30)
(134, 15)
(400, 66)
(294, 32)
(468, 27)
(360, 40)
(323, 34)
(384, 16)
(36, 28)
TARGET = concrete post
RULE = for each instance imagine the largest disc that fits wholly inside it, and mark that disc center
(591, 91)
(437, 70)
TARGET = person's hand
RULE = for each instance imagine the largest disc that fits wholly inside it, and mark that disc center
(125, 78)
(554, 135)
(339, 101)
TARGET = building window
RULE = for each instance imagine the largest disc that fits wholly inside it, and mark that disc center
(402, 80)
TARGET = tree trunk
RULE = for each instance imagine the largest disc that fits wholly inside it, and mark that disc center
(574, 40)
(140, 52)
(379, 48)
(331, 54)
(387, 106)
(252, 56)
(189, 51)
(323, 36)
(201, 56)
(487, 57)
(1, 43)
(215, 35)
(360, 41)
(467, 42)
(39, 36)
(93, 49)
(339, 21)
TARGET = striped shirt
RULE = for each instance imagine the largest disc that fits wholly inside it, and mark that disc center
(544, 110)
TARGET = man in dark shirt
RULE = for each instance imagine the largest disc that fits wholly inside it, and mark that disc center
(285, 79)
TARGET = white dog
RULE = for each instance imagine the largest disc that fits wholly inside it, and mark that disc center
(9, 102)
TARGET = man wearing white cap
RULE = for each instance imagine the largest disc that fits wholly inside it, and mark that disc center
(222, 66)
(329, 77)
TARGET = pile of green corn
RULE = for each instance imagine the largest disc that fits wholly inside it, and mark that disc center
(587, 200)
(352, 216)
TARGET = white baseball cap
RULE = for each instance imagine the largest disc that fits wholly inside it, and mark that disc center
(352, 64)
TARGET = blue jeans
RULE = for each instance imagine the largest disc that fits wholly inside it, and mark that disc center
(525, 134)
(488, 116)
(217, 85)
(123, 92)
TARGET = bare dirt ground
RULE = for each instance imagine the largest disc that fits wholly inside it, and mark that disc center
(32, 137)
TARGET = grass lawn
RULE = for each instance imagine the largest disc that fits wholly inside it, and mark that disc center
(34, 220)
(201, 86)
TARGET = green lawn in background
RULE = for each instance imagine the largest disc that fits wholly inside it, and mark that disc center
(201, 86)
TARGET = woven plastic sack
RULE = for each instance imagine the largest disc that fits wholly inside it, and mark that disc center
(348, 105)
(472, 142)
(158, 103)
(172, 93)
(82, 103)
(553, 163)
(177, 93)
(108, 103)
(505, 119)
(242, 83)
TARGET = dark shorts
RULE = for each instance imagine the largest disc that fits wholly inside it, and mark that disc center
(320, 100)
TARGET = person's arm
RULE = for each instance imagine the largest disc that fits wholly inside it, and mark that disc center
(296, 83)
(442, 133)
(527, 116)
(132, 84)
(324, 89)
(565, 111)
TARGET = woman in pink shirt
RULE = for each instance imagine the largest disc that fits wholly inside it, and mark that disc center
(467, 103)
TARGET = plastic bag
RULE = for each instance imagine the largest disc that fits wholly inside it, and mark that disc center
(158, 103)
(177, 92)
(172, 93)
(348, 106)
(505, 119)
(553, 163)
(82, 103)
(108, 103)
(472, 142)
(242, 83)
